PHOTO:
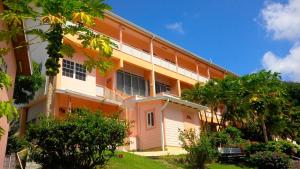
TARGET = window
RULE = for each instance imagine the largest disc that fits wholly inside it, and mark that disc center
(132, 84)
(160, 87)
(150, 119)
(80, 72)
(68, 68)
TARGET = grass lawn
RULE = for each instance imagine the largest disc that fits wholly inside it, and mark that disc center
(131, 161)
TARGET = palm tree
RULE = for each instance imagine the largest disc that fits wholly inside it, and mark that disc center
(56, 15)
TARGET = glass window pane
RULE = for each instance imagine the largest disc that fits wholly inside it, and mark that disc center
(135, 85)
(120, 81)
(142, 87)
(80, 73)
(127, 84)
(68, 68)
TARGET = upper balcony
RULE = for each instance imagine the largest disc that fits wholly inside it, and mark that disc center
(159, 61)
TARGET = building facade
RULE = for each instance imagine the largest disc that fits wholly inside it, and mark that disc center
(14, 62)
(144, 85)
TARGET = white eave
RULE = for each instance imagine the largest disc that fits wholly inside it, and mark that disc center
(174, 100)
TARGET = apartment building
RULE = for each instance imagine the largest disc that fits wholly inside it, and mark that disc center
(145, 84)
(14, 62)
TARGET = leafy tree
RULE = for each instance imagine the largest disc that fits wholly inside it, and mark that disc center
(84, 140)
(7, 109)
(208, 95)
(26, 86)
(258, 98)
(55, 14)
(265, 97)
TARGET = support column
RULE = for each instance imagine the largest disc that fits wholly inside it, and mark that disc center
(178, 88)
(176, 62)
(152, 78)
(197, 69)
(121, 36)
(208, 72)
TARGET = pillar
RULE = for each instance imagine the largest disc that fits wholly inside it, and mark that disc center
(178, 88)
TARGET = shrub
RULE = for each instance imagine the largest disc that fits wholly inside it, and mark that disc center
(230, 136)
(200, 148)
(268, 159)
(279, 146)
(83, 141)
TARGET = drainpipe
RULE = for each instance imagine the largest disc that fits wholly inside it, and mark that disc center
(162, 125)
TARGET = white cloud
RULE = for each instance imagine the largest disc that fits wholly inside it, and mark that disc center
(282, 20)
(289, 65)
(177, 27)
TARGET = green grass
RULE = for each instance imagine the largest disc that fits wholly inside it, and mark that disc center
(131, 161)
(224, 166)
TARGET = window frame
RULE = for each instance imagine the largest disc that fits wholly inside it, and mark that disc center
(150, 122)
(80, 71)
(72, 68)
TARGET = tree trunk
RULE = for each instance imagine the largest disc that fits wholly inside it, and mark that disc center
(265, 131)
(217, 121)
(49, 96)
(205, 126)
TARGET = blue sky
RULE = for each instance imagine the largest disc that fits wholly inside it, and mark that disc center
(239, 35)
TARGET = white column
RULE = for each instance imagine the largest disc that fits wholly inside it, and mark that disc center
(121, 36)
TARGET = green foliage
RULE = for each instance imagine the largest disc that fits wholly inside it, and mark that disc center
(275, 146)
(200, 148)
(26, 86)
(268, 159)
(14, 142)
(258, 98)
(56, 14)
(230, 136)
(83, 141)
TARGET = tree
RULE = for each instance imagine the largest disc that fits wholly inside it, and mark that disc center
(55, 15)
(84, 140)
(258, 98)
(26, 86)
(7, 109)
(265, 97)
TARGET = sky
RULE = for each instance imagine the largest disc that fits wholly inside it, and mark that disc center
(243, 36)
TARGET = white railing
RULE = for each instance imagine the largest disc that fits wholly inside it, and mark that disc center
(133, 51)
(107, 93)
(136, 52)
(164, 63)
(187, 73)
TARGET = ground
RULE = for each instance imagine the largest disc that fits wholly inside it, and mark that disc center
(125, 160)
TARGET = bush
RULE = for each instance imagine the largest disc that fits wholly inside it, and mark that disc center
(83, 141)
(230, 136)
(268, 159)
(200, 148)
(279, 146)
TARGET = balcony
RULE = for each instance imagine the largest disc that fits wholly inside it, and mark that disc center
(133, 51)
(156, 60)
(106, 93)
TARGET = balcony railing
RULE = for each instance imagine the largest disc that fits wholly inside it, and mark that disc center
(106, 93)
(156, 60)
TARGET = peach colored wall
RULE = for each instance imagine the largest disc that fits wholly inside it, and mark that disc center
(62, 101)
(6, 94)
(86, 87)
(178, 117)
(148, 137)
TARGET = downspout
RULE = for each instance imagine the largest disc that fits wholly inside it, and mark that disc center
(162, 125)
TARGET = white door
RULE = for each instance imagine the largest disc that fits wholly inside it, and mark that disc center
(173, 122)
